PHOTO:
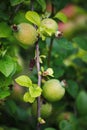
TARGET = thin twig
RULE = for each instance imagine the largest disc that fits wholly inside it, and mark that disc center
(15, 11)
(17, 8)
(32, 5)
(39, 83)
(39, 76)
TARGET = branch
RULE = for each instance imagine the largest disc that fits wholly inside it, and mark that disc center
(39, 76)
(17, 8)
(39, 83)
(38, 70)
(32, 5)
(15, 11)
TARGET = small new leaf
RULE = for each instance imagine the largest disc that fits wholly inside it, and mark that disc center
(43, 56)
(28, 98)
(50, 72)
(24, 81)
(40, 32)
(61, 16)
(42, 68)
(35, 91)
(40, 60)
(41, 121)
(33, 17)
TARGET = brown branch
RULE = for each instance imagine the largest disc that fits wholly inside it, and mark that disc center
(39, 76)
(39, 83)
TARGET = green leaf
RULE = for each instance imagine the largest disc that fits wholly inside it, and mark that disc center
(4, 94)
(65, 125)
(28, 98)
(20, 18)
(84, 58)
(41, 120)
(33, 17)
(61, 16)
(81, 103)
(15, 2)
(1, 128)
(7, 65)
(4, 81)
(35, 91)
(11, 107)
(64, 44)
(50, 72)
(72, 88)
(83, 121)
(42, 3)
(81, 41)
(5, 30)
(24, 81)
(15, 68)
(3, 15)
(44, 31)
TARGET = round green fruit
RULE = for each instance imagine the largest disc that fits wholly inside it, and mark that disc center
(26, 34)
(52, 90)
(49, 25)
(65, 116)
(46, 109)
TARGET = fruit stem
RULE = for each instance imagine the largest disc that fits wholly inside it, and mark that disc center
(39, 83)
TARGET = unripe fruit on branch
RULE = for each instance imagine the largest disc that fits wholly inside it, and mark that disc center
(53, 90)
(25, 33)
(46, 109)
(64, 116)
(68, 117)
(50, 25)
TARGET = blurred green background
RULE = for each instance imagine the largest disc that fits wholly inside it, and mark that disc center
(68, 60)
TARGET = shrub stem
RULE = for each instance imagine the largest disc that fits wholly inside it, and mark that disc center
(39, 76)
(39, 83)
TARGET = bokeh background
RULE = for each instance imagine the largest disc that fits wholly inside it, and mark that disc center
(68, 60)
